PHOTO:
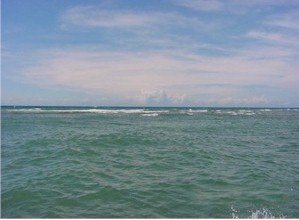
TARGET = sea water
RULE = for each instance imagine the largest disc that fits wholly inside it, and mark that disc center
(86, 162)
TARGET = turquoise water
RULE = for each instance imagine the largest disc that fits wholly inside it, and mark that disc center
(86, 162)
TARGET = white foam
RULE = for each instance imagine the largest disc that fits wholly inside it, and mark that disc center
(150, 114)
(98, 111)
(111, 111)
(231, 113)
(198, 111)
(105, 111)
(234, 113)
(263, 213)
(249, 113)
(28, 110)
(234, 212)
(157, 111)
(292, 109)
(245, 112)
(266, 110)
(193, 111)
(260, 213)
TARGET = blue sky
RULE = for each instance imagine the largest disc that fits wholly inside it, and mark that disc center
(150, 53)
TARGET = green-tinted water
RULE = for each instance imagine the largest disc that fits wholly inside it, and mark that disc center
(155, 162)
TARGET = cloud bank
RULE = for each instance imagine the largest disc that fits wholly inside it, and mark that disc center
(160, 77)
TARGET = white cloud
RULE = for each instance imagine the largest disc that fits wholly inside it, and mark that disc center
(94, 17)
(276, 38)
(235, 6)
(233, 101)
(171, 58)
(201, 5)
(288, 20)
(160, 98)
(170, 77)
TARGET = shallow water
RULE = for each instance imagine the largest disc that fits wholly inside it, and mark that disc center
(71, 162)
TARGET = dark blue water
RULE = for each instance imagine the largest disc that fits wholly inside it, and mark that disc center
(70, 162)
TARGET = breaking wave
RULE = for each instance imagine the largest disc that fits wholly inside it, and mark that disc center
(263, 213)
(99, 111)
(154, 111)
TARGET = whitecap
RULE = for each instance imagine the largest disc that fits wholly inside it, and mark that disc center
(198, 111)
(261, 213)
(115, 111)
(234, 212)
(193, 111)
(249, 113)
(150, 114)
(98, 111)
(122, 111)
(245, 112)
(266, 110)
(231, 113)
(26, 110)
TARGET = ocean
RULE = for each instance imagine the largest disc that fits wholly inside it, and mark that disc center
(117, 162)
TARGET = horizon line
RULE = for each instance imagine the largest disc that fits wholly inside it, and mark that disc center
(148, 106)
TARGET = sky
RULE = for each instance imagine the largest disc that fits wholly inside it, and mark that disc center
(150, 53)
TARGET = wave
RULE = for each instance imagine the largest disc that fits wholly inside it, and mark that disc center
(99, 111)
(266, 110)
(259, 213)
(143, 112)
(198, 111)
(192, 111)
(25, 110)
(150, 114)
(147, 111)
(237, 112)
(246, 112)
